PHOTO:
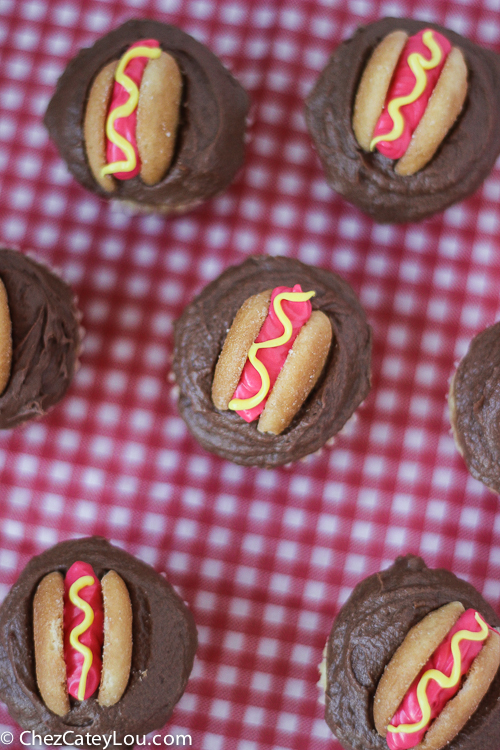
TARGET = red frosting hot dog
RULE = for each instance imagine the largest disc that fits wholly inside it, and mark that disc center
(412, 710)
(298, 313)
(83, 630)
(124, 90)
(413, 82)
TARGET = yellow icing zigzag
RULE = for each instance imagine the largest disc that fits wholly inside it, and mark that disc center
(418, 65)
(125, 110)
(440, 678)
(87, 621)
(240, 404)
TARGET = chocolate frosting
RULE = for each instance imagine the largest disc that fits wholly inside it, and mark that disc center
(464, 159)
(209, 147)
(45, 338)
(370, 627)
(164, 645)
(200, 334)
(475, 407)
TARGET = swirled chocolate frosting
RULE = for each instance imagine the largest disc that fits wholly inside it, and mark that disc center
(164, 645)
(371, 626)
(200, 334)
(475, 407)
(209, 147)
(463, 161)
(45, 338)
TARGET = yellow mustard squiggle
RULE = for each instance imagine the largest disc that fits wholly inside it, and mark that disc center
(87, 621)
(240, 404)
(440, 678)
(418, 65)
(125, 110)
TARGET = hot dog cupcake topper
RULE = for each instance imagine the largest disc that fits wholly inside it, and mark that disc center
(288, 352)
(434, 708)
(82, 630)
(136, 133)
(405, 118)
(415, 101)
(149, 116)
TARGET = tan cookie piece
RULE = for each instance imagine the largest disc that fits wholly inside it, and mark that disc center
(158, 115)
(94, 125)
(243, 332)
(374, 85)
(299, 374)
(117, 647)
(5, 339)
(418, 646)
(459, 709)
(442, 110)
(48, 635)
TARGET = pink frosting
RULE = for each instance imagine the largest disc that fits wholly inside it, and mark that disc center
(125, 126)
(409, 711)
(403, 82)
(273, 359)
(92, 637)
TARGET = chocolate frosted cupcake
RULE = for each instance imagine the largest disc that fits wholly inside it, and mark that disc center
(271, 360)
(474, 400)
(93, 642)
(39, 338)
(405, 118)
(149, 116)
(412, 661)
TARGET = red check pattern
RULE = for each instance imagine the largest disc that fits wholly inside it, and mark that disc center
(264, 558)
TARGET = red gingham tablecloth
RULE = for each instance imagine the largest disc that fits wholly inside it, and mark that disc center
(263, 558)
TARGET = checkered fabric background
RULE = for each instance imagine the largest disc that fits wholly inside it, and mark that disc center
(264, 558)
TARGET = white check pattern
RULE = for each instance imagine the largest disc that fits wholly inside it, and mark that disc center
(264, 558)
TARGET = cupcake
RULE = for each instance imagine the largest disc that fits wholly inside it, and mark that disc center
(150, 117)
(271, 360)
(405, 118)
(39, 338)
(412, 661)
(93, 642)
(474, 401)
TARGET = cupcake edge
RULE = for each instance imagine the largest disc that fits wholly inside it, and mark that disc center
(473, 412)
(47, 337)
